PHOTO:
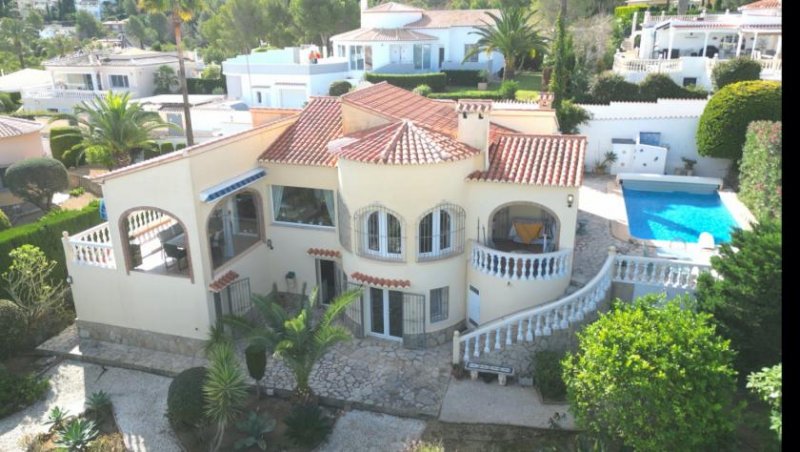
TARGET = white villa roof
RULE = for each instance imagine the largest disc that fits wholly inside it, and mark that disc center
(119, 57)
(383, 34)
(392, 7)
(177, 99)
(26, 78)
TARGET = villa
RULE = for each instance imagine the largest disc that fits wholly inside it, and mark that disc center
(687, 47)
(87, 74)
(448, 215)
(393, 38)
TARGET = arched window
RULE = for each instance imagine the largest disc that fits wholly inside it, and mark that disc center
(441, 232)
(234, 226)
(380, 233)
(156, 242)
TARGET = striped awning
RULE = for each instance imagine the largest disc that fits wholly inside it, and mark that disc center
(231, 185)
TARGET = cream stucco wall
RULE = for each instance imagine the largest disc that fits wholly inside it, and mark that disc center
(14, 149)
(355, 119)
(527, 121)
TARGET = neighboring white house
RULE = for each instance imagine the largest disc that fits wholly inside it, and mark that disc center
(687, 47)
(15, 82)
(25, 6)
(649, 137)
(87, 74)
(93, 7)
(54, 29)
(393, 38)
(446, 214)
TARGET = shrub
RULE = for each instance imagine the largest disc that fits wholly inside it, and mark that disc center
(760, 178)
(695, 92)
(746, 300)
(570, 116)
(77, 191)
(254, 427)
(256, 360)
(548, 375)
(18, 392)
(508, 89)
(436, 80)
(608, 86)
(205, 86)
(654, 375)
(167, 147)
(469, 94)
(307, 426)
(36, 180)
(659, 86)
(46, 234)
(12, 329)
(77, 434)
(62, 139)
(463, 77)
(423, 90)
(180, 146)
(185, 401)
(5, 223)
(723, 124)
(339, 87)
(768, 386)
(739, 69)
(74, 157)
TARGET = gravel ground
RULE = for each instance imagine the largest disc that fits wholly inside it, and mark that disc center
(364, 431)
(139, 404)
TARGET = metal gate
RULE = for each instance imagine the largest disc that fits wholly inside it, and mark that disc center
(235, 299)
(414, 320)
(354, 313)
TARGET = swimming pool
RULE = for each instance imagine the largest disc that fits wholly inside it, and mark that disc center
(675, 211)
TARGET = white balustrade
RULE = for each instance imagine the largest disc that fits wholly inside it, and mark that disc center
(652, 65)
(144, 225)
(527, 267)
(93, 247)
(658, 272)
(50, 93)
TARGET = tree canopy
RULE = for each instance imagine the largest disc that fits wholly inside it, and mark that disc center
(36, 180)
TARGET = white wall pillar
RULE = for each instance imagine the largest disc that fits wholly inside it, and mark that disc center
(755, 41)
(779, 47)
(633, 24)
(739, 44)
(671, 40)
(705, 43)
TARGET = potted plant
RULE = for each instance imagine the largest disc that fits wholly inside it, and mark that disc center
(483, 80)
(688, 165)
(601, 166)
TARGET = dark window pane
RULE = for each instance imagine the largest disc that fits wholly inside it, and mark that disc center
(395, 313)
(376, 302)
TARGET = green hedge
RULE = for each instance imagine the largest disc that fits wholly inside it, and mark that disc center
(609, 86)
(493, 94)
(167, 147)
(462, 77)
(205, 86)
(626, 12)
(739, 69)
(61, 141)
(548, 375)
(339, 87)
(722, 126)
(761, 177)
(46, 234)
(659, 86)
(436, 80)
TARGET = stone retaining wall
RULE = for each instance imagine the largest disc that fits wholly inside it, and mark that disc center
(139, 338)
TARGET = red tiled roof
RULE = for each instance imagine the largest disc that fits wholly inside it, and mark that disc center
(391, 7)
(375, 281)
(12, 127)
(473, 105)
(762, 4)
(547, 160)
(223, 281)
(306, 141)
(322, 252)
(383, 34)
(406, 143)
(455, 18)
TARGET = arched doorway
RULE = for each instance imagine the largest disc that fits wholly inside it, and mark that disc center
(156, 242)
(525, 227)
(234, 226)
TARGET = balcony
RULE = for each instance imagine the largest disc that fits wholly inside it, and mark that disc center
(521, 264)
(75, 95)
(623, 65)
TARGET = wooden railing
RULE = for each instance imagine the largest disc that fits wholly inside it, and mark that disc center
(93, 247)
(528, 267)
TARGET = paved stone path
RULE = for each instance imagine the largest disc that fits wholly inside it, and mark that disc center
(139, 402)
(362, 431)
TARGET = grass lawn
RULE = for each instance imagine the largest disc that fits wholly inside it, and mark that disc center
(530, 83)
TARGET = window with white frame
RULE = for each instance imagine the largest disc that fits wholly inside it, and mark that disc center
(441, 232)
(439, 304)
(422, 56)
(300, 205)
(356, 58)
(119, 81)
(380, 233)
(468, 48)
(341, 51)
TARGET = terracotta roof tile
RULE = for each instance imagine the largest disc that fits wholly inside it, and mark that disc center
(547, 160)
(454, 18)
(406, 143)
(12, 127)
(383, 34)
(473, 105)
(323, 252)
(762, 4)
(382, 282)
(306, 141)
(223, 281)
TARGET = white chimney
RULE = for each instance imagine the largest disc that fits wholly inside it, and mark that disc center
(473, 125)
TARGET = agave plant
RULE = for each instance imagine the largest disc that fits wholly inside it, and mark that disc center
(255, 427)
(77, 435)
(98, 401)
(56, 418)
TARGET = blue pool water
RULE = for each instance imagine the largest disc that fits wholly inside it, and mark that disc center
(677, 215)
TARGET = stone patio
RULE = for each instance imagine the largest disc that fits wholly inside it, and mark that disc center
(367, 374)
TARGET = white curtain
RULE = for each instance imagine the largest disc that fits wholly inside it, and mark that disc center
(329, 204)
(277, 200)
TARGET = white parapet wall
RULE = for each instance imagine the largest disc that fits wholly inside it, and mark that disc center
(675, 119)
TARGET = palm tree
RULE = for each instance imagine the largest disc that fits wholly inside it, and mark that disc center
(112, 127)
(300, 340)
(512, 34)
(224, 389)
(182, 11)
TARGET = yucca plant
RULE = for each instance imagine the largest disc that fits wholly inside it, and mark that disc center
(56, 418)
(225, 389)
(77, 435)
(300, 340)
(255, 427)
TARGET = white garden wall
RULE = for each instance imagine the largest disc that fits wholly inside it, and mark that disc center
(675, 119)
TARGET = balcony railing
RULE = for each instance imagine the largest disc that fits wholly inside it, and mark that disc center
(622, 64)
(527, 267)
(71, 94)
(93, 247)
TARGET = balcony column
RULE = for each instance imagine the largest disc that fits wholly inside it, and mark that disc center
(753, 50)
(705, 43)
(633, 24)
(739, 45)
(778, 48)
(671, 41)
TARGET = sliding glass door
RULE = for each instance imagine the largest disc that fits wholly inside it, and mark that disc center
(386, 313)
